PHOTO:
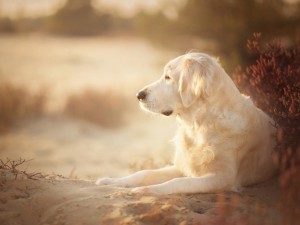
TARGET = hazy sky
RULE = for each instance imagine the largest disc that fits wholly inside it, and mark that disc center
(13, 8)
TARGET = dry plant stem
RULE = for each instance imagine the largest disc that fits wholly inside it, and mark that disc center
(13, 165)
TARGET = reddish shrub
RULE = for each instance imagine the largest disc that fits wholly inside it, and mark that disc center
(273, 82)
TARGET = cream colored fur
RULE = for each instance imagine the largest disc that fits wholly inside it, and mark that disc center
(223, 141)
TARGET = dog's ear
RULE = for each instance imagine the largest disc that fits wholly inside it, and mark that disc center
(193, 81)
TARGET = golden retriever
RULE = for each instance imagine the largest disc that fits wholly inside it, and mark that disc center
(223, 142)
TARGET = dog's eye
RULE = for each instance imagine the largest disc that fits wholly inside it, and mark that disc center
(167, 77)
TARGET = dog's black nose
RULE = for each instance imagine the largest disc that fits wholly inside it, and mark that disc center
(141, 95)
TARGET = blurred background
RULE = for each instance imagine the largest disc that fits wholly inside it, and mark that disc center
(69, 71)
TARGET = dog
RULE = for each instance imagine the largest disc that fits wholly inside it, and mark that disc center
(224, 142)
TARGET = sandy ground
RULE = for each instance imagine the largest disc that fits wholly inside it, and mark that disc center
(62, 201)
(75, 148)
(84, 152)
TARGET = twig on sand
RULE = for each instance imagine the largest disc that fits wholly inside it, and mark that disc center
(13, 166)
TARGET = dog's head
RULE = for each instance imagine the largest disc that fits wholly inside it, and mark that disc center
(185, 79)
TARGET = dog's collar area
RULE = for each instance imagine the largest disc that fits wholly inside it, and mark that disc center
(167, 113)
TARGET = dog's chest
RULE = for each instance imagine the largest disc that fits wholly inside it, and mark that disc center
(193, 153)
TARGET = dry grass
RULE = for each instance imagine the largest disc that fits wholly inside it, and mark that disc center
(105, 108)
(18, 103)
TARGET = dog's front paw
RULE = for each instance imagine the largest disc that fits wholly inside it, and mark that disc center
(106, 181)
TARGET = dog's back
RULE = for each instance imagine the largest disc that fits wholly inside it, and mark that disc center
(255, 163)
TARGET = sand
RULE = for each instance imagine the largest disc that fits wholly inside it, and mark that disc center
(55, 200)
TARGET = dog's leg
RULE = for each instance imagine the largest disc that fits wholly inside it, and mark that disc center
(144, 177)
(204, 184)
